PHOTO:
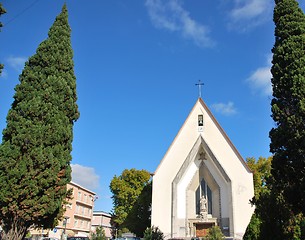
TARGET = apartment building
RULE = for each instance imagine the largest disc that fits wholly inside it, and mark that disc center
(102, 219)
(78, 215)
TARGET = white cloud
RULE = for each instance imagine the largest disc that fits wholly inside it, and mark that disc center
(16, 63)
(249, 13)
(227, 109)
(260, 79)
(85, 176)
(170, 15)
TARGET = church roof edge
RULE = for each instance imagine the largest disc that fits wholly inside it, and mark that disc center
(224, 134)
(203, 104)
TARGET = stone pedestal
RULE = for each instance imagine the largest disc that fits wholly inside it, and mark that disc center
(198, 226)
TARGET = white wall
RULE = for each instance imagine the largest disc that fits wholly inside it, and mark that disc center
(228, 157)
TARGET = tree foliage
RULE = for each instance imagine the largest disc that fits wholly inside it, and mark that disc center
(272, 218)
(288, 104)
(214, 233)
(253, 228)
(35, 153)
(99, 234)
(279, 212)
(138, 219)
(153, 233)
(277, 220)
(261, 169)
(2, 11)
(132, 200)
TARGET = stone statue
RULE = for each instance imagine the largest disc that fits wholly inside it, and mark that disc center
(203, 208)
(203, 203)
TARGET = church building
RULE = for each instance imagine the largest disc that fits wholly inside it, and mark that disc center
(202, 181)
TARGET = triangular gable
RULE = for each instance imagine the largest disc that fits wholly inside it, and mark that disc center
(220, 129)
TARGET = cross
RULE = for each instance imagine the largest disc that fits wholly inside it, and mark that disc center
(199, 84)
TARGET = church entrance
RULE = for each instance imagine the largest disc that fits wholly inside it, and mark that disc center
(202, 229)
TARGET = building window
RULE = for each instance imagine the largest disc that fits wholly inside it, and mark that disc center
(79, 196)
(85, 197)
(200, 120)
(75, 223)
(204, 190)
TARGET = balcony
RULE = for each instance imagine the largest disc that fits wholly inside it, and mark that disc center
(88, 204)
(78, 215)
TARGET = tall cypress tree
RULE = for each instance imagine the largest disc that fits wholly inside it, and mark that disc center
(288, 104)
(35, 153)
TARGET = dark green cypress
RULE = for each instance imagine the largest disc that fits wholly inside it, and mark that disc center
(35, 153)
(288, 104)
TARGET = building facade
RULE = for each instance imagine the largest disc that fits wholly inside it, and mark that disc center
(202, 181)
(78, 216)
(102, 219)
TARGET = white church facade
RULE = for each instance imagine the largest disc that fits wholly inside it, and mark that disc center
(202, 181)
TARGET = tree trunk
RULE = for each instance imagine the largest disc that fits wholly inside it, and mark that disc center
(16, 231)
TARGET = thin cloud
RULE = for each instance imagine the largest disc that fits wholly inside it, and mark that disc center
(226, 109)
(85, 176)
(247, 14)
(260, 79)
(171, 16)
(16, 63)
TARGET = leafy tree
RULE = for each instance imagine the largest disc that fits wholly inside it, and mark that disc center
(153, 233)
(261, 173)
(132, 200)
(277, 220)
(138, 218)
(2, 11)
(288, 105)
(261, 169)
(272, 218)
(35, 152)
(253, 228)
(99, 234)
(214, 233)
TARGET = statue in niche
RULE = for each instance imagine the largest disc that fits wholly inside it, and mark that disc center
(203, 208)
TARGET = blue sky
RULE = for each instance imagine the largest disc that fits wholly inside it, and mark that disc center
(137, 63)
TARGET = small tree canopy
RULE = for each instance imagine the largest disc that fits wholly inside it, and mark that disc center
(153, 233)
(261, 173)
(132, 200)
(99, 234)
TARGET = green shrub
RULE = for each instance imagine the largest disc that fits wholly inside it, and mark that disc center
(153, 233)
(99, 234)
(214, 233)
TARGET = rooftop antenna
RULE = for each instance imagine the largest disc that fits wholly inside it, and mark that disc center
(199, 84)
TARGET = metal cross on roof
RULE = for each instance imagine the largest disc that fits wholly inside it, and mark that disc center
(199, 84)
